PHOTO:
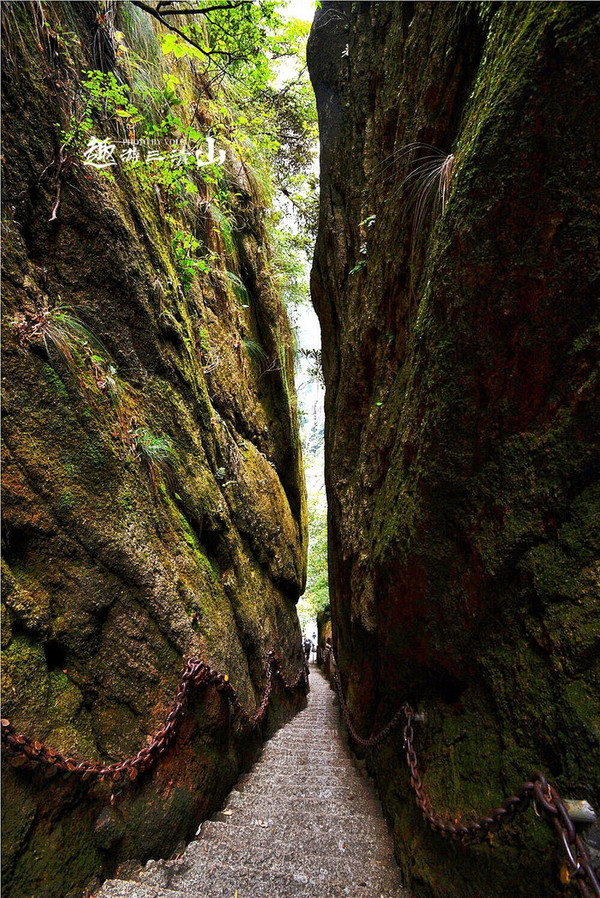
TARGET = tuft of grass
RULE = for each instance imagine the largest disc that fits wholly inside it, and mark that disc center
(358, 267)
(57, 329)
(428, 180)
(187, 262)
(257, 171)
(120, 401)
(428, 184)
(157, 454)
(104, 52)
(64, 336)
(239, 288)
(224, 227)
(255, 351)
(431, 184)
(139, 33)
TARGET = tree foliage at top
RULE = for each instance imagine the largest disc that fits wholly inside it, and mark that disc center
(255, 57)
(254, 68)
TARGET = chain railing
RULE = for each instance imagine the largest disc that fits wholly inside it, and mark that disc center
(544, 796)
(23, 750)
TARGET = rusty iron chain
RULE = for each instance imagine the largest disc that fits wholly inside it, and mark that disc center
(196, 673)
(545, 798)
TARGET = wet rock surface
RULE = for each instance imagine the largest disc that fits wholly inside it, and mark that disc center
(304, 823)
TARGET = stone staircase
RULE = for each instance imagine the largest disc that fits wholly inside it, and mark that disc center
(304, 823)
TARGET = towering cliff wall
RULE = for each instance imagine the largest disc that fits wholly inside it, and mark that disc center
(460, 352)
(153, 503)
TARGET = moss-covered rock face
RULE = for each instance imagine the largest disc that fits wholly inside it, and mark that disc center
(153, 499)
(461, 359)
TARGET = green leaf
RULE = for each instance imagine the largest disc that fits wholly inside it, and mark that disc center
(168, 42)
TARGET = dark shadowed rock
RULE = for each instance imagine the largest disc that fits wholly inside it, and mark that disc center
(460, 351)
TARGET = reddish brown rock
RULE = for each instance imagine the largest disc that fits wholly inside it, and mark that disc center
(461, 361)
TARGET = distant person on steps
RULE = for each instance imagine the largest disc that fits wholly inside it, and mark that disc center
(307, 648)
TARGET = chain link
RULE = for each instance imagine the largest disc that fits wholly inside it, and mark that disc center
(197, 673)
(544, 796)
(25, 751)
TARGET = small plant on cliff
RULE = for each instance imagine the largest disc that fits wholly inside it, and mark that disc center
(255, 351)
(223, 229)
(187, 263)
(60, 334)
(56, 329)
(358, 267)
(101, 95)
(239, 288)
(428, 182)
(157, 454)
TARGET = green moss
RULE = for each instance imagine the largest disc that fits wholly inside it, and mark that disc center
(71, 724)
(126, 501)
(66, 502)
(58, 854)
(583, 710)
(18, 816)
(208, 567)
(54, 382)
(25, 681)
(99, 567)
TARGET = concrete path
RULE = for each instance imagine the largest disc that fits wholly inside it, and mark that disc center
(304, 823)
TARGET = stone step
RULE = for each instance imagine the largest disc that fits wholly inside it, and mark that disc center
(259, 804)
(304, 823)
(309, 763)
(307, 723)
(293, 854)
(283, 759)
(326, 745)
(300, 779)
(307, 751)
(204, 855)
(125, 888)
(222, 880)
(308, 759)
(287, 760)
(304, 791)
(216, 876)
(366, 841)
(288, 765)
(324, 720)
(340, 817)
